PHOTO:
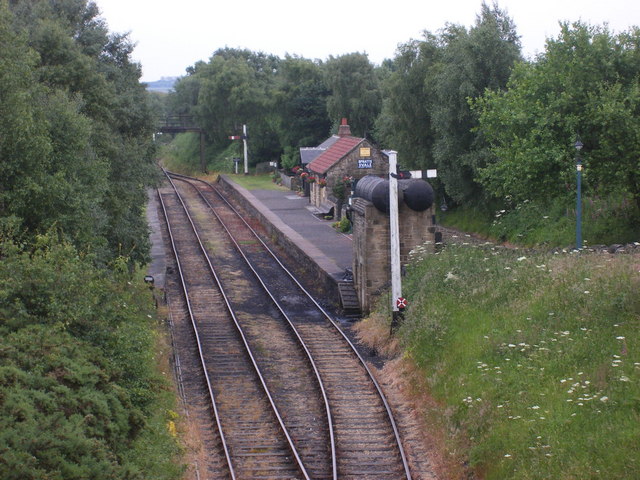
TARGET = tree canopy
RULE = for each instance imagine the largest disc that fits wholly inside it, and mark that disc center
(498, 128)
(78, 155)
(585, 85)
(78, 388)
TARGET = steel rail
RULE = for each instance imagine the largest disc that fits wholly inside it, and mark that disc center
(291, 325)
(183, 284)
(244, 339)
(379, 391)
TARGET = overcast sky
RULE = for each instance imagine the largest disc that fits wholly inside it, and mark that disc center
(172, 35)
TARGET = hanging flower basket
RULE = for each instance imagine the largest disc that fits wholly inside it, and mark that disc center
(304, 175)
(311, 179)
(322, 182)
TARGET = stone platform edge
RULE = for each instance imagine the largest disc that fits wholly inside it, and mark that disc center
(323, 269)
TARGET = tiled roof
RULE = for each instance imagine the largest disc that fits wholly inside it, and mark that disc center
(334, 154)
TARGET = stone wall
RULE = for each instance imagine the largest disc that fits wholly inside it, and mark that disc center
(371, 263)
(292, 182)
(371, 245)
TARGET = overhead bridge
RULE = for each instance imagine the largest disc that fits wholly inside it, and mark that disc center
(182, 124)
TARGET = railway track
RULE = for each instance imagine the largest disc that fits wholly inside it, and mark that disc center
(331, 418)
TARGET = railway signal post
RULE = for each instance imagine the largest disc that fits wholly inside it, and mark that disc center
(244, 139)
(397, 306)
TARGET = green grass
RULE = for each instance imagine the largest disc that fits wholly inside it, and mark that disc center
(606, 220)
(467, 220)
(257, 182)
(534, 357)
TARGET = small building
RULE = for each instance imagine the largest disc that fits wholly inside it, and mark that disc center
(339, 157)
(371, 233)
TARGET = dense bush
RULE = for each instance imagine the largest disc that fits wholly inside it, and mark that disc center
(78, 383)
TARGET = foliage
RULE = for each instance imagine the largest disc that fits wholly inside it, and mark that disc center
(182, 155)
(472, 62)
(77, 376)
(79, 155)
(405, 122)
(355, 92)
(62, 415)
(79, 393)
(289, 158)
(343, 225)
(586, 84)
(532, 356)
(426, 114)
(233, 89)
(301, 103)
(605, 220)
(341, 187)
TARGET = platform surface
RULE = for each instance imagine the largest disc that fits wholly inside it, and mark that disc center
(297, 213)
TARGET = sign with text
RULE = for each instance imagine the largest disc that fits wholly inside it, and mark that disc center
(365, 163)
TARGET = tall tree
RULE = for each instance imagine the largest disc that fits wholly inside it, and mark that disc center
(301, 103)
(235, 87)
(355, 91)
(472, 61)
(405, 123)
(93, 116)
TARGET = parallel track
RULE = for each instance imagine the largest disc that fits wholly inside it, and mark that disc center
(367, 441)
(251, 435)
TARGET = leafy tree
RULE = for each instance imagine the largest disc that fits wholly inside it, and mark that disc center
(24, 145)
(184, 97)
(405, 123)
(472, 61)
(301, 103)
(585, 83)
(355, 91)
(235, 87)
(95, 152)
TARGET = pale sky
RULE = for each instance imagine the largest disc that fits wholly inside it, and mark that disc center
(172, 35)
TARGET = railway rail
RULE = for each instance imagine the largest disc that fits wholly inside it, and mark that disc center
(329, 417)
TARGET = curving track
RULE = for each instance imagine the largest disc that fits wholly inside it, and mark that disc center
(333, 417)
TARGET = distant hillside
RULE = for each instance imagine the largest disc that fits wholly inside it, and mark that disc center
(165, 84)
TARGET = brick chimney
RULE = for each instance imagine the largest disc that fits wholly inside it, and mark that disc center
(344, 130)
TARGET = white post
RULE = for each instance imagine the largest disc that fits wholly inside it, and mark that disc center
(396, 282)
(244, 141)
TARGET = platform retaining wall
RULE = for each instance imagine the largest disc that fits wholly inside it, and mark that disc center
(324, 276)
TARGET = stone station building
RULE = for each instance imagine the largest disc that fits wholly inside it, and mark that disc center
(340, 156)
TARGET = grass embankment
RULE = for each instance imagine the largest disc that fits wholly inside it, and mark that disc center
(608, 220)
(533, 358)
